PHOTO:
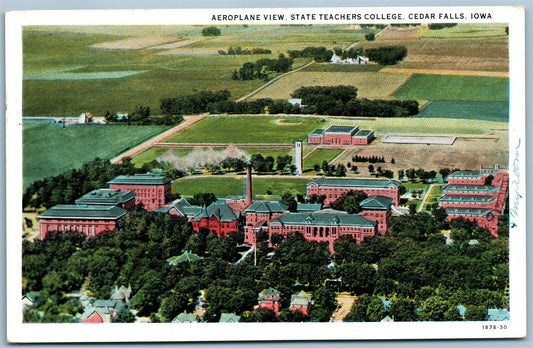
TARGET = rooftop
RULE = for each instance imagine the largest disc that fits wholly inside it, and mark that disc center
(140, 179)
(371, 183)
(461, 211)
(323, 219)
(364, 133)
(309, 207)
(271, 292)
(342, 129)
(106, 196)
(467, 199)
(71, 211)
(466, 174)
(266, 207)
(470, 188)
(220, 210)
(376, 202)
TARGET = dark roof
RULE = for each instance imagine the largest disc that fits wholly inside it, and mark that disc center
(301, 299)
(470, 188)
(364, 133)
(461, 211)
(229, 318)
(355, 183)
(467, 199)
(465, 174)
(323, 219)
(342, 129)
(183, 206)
(186, 318)
(266, 207)
(317, 132)
(140, 179)
(376, 203)
(309, 207)
(220, 210)
(72, 211)
(185, 257)
(106, 196)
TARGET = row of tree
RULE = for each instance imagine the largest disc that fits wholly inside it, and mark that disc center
(232, 51)
(385, 55)
(262, 68)
(142, 116)
(370, 159)
(342, 100)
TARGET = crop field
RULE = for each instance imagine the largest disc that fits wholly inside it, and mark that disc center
(230, 186)
(50, 151)
(468, 31)
(485, 111)
(319, 156)
(456, 88)
(248, 129)
(390, 33)
(374, 85)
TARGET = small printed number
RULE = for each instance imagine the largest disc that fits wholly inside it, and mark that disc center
(494, 327)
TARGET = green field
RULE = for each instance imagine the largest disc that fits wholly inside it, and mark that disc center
(227, 187)
(252, 129)
(466, 110)
(320, 156)
(64, 75)
(456, 88)
(50, 150)
(468, 30)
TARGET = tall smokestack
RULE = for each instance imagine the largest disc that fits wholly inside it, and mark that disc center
(249, 185)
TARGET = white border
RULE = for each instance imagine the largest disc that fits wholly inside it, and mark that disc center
(18, 332)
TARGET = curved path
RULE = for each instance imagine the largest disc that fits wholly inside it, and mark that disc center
(188, 122)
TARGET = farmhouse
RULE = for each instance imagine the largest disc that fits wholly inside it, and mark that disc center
(340, 136)
(90, 220)
(335, 59)
(333, 189)
(152, 190)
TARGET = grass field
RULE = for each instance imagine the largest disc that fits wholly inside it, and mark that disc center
(319, 156)
(468, 31)
(455, 88)
(368, 84)
(253, 129)
(228, 187)
(50, 151)
(466, 110)
(50, 51)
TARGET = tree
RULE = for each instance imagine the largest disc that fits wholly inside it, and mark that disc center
(475, 313)
(289, 201)
(371, 168)
(211, 31)
(370, 37)
(349, 202)
(403, 309)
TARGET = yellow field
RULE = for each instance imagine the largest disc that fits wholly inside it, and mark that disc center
(369, 85)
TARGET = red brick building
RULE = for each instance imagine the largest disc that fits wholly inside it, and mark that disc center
(218, 218)
(469, 198)
(324, 226)
(269, 300)
(378, 209)
(301, 302)
(333, 189)
(90, 220)
(152, 190)
(121, 199)
(258, 216)
(340, 136)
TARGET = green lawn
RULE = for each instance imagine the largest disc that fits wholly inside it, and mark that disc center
(455, 88)
(227, 187)
(466, 110)
(415, 186)
(252, 129)
(50, 150)
(320, 156)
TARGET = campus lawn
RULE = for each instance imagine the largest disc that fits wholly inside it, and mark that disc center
(466, 110)
(319, 156)
(456, 88)
(247, 129)
(227, 187)
(49, 150)
(415, 186)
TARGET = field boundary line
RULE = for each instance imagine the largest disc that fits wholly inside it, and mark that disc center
(409, 77)
(273, 81)
(339, 155)
(500, 74)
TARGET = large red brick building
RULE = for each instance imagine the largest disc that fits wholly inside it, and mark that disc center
(218, 218)
(340, 136)
(90, 220)
(152, 190)
(333, 189)
(258, 216)
(378, 209)
(469, 198)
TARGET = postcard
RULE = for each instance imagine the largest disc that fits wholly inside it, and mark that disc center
(265, 174)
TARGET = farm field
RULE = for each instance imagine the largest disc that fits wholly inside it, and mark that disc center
(50, 151)
(456, 88)
(466, 110)
(319, 156)
(229, 186)
(247, 129)
(369, 84)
